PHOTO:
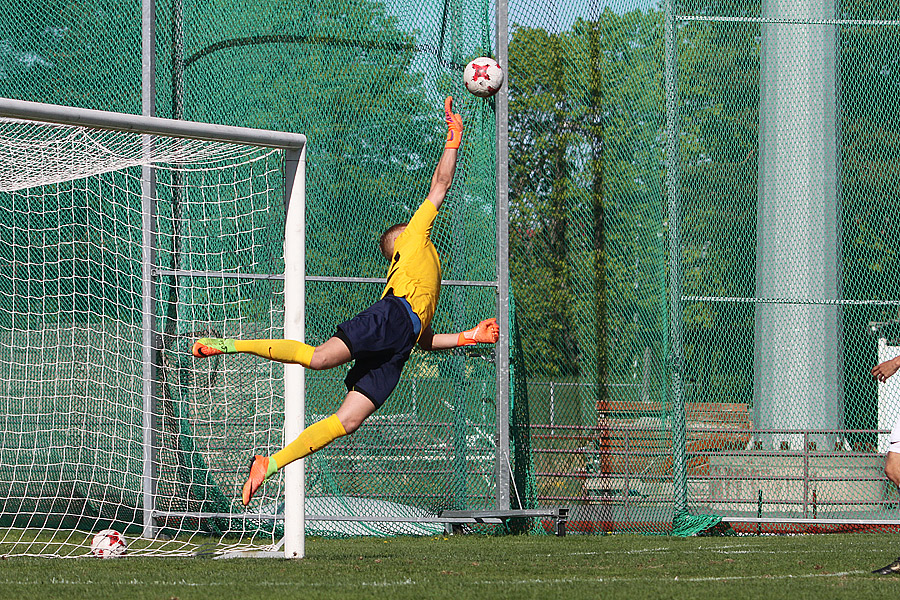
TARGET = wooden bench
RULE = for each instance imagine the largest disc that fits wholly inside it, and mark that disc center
(636, 437)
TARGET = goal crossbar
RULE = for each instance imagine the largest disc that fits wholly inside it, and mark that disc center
(100, 119)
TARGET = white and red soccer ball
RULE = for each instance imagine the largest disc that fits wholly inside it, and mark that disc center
(109, 543)
(483, 77)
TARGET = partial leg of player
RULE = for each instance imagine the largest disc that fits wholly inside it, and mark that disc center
(894, 567)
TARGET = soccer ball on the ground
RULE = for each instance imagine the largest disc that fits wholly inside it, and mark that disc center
(109, 543)
(483, 77)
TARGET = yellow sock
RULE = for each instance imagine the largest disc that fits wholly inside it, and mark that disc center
(286, 351)
(313, 438)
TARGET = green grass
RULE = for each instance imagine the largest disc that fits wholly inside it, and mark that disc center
(465, 567)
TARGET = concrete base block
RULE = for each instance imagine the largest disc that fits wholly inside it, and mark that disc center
(800, 486)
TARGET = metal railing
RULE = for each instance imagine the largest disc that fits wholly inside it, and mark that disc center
(618, 460)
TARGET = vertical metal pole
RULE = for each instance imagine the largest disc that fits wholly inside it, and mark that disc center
(502, 349)
(552, 409)
(459, 495)
(805, 473)
(627, 476)
(679, 470)
(294, 328)
(177, 59)
(177, 178)
(148, 257)
(148, 58)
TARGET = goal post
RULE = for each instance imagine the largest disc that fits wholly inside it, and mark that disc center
(82, 171)
(294, 328)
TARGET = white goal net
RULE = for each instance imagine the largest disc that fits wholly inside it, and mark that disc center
(75, 456)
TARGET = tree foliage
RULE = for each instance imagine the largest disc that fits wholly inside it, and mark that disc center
(588, 195)
(586, 199)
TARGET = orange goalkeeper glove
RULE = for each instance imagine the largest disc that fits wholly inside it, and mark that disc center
(454, 125)
(487, 332)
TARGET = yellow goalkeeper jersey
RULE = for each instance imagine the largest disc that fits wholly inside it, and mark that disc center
(415, 271)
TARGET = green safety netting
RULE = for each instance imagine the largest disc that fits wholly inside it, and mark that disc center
(700, 251)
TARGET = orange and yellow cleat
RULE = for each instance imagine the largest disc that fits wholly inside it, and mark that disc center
(206, 347)
(261, 468)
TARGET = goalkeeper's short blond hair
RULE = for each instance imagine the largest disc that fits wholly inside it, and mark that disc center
(385, 239)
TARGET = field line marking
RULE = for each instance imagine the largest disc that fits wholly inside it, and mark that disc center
(742, 549)
(535, 581)
(745, 577)
(182, 582)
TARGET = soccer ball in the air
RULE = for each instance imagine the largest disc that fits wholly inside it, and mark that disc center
(483, 77)
(109, 543)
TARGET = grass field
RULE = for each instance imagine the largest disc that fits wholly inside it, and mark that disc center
(463, 567)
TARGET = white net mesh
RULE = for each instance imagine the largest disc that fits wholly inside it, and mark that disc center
(35, 154)
(72, 451)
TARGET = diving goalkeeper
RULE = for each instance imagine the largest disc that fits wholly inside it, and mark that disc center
(379, 338)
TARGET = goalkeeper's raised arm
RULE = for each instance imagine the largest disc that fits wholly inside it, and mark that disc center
(446, 167)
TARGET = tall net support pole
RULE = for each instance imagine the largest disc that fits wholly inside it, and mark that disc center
(679, 470)
(502, 119)
(148, 211)
(797, 363)
(294, 328)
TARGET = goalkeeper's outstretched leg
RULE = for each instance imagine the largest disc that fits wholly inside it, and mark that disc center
(332, 353)
(355, 409)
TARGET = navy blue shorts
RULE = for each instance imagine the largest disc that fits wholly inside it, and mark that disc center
(380, 340)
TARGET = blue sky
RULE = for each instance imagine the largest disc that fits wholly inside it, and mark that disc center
(559, 15)
(556, 15)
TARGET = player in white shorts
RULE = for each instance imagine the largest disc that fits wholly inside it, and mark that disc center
(893, 446)
(882, 372)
